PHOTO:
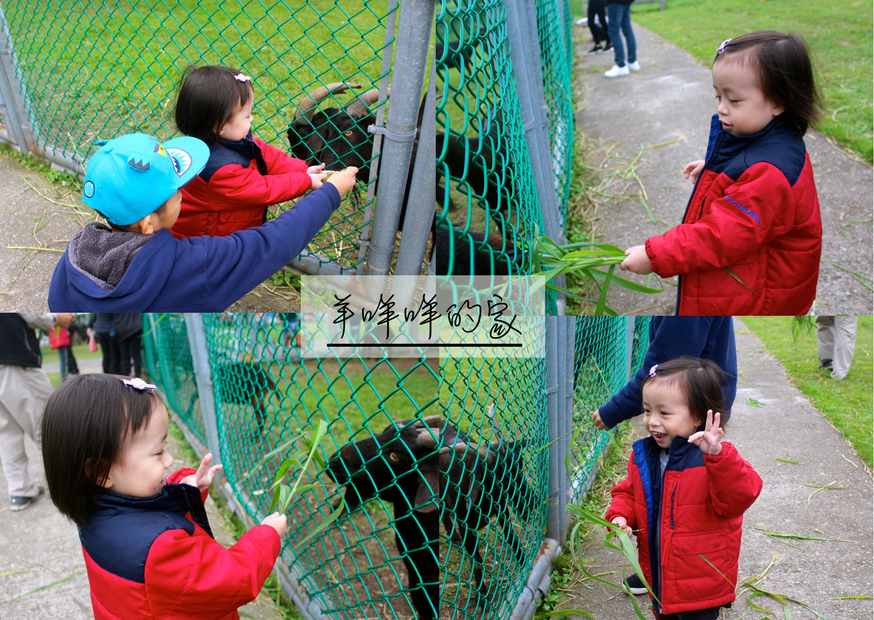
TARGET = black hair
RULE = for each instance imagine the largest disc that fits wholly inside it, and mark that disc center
(88, 423)
(129, 227)
(208, 97)
(700, 380)
(784, 73)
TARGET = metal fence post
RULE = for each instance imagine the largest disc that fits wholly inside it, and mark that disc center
(203, 377)
(521, 21)
(629, 346)
(12, 115)
(423, 194)
(415, 24)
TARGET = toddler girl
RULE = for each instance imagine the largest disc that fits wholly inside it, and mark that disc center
(244, 175)
(751, 237)
(147, 543)
(686, 492)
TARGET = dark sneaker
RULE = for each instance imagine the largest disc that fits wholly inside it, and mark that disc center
(606, 48)
(595, 50)
(634, 584)
(826, 364)
(20, 503)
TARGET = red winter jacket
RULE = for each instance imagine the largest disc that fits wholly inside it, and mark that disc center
(754, 211)
(696, 509)
(240, 180)
(155, 557)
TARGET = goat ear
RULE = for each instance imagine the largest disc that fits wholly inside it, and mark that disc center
(428, 488)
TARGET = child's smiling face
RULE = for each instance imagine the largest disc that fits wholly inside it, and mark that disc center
(240, 123)
(143, 468)
(743, 109)
(666, 412)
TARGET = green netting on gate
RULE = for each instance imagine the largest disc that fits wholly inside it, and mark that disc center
(93, 71)
(167, 359)
(601, 368)
(556, 59)
(514, 486)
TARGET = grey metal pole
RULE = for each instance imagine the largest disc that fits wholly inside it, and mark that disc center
(553, 510)
(629, 346)
(7, 84)
(566, 426)
(423, 194)
(521, 21)
(203, 376)
(415, 24)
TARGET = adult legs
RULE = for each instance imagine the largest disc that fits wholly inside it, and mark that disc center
(836, 340)
(129, 348)
(23, 395)
(599, 30)
(614, 22)
(72, 366)
(630, 41)
(62, 361)
(109, 347)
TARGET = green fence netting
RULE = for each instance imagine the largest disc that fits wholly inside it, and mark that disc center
(167, 359)
(490, 213)
(95, 70)
(602, 363)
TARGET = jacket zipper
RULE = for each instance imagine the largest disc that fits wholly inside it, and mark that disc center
(673, 496)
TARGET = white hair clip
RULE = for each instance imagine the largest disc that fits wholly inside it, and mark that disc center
(722, 47)
(653, 370)
(139, 384)
(240, 77)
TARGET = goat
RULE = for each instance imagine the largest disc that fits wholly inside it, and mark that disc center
(408, 465)
(473, 253)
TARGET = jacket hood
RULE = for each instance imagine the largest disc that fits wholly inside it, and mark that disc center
(127, 269)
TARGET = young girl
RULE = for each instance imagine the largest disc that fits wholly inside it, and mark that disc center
(751, 237)
(244, 175)
(685, 493)
(147, 543)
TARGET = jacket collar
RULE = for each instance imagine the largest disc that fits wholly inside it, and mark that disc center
(176, 498)
(247, 147)
(730, 145)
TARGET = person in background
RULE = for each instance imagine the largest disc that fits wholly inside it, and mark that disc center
(836, 341)
(103, 325)
(24, 390)
(129, 329)
(599, 28)
(619, 18)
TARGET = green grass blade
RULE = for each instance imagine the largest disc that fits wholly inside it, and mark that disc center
(328, 521)
(731, 273)
(602, 300)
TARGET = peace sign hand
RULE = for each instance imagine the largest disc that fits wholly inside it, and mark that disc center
(709, 439)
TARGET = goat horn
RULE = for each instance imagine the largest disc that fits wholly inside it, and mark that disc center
(462, 447)
(313, 98)
(360, 106)
(426, 440)
(431, 421)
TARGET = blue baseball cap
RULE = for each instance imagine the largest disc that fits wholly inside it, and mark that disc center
(131, 176)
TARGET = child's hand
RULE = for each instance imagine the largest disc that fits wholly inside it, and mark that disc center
(693, 169)
(317, 175)
(597, 421)
(204, 475)
(278, 522)
(343, 180)
(637, 261)
(709, 439)
(623, 524)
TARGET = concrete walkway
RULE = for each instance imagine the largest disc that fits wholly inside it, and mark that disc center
(42, 571)
(671, 101)
(818, 572)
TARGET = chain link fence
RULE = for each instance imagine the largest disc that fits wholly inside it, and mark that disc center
(501, 474)
(505, 131)
(76, 71)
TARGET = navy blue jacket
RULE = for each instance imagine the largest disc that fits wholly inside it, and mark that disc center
(198, 274)
(670, 337)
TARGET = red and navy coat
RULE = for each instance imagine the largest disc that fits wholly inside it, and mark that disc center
(696, 508)
(240, 180)
(155, 557)
(754, 211)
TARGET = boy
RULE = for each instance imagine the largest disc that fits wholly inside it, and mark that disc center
(134, 264)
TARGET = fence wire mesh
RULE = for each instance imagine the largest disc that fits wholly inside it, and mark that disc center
(602, 363)
(490, 214)
(92, 70)
(471, 540)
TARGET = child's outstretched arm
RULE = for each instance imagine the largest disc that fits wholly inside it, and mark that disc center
(202, 478)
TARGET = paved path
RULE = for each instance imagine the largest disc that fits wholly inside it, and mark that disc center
(789, 428)
(39, 548)
(671, 100)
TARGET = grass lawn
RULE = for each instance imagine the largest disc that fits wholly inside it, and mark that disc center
(839, 35)
(847, 403)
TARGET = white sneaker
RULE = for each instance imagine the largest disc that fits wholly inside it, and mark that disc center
(634, 66)
(616, 71)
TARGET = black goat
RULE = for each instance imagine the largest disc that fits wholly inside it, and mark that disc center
(408, 464)
(473, 253)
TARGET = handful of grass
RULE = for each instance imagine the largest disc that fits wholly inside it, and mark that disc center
(583, 259)
(295, 463)
(616, 539)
